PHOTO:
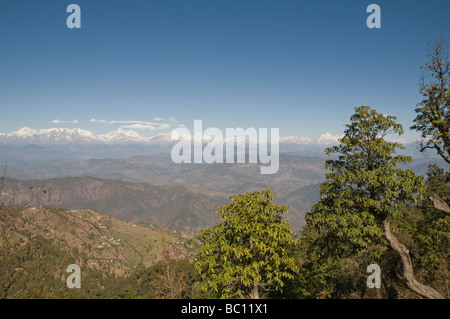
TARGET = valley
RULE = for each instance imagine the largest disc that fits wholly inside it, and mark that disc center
(141, 184)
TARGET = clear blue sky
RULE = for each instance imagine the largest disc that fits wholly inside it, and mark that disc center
(301, 66)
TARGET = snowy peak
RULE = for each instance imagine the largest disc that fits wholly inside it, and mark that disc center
(24, 132)
(327, 138)
(62, 136)
(27, 135)
(161, 138)
(122, 136)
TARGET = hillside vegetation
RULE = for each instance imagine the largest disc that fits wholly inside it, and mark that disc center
(37, 244)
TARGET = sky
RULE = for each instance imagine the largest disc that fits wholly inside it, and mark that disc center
(151, 66)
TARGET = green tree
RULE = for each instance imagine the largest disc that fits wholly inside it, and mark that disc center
(432, 232)
(363, 192)
(433, 113)
(249, 251)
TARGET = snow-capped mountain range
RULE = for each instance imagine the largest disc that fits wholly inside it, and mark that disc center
(77, 136)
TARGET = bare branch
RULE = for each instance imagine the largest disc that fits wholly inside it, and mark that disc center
(439, 204)
(408, 272)
(34, 195)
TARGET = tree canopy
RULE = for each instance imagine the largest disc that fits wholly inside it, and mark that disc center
(365, 186)
(248, 252)
(364, 191)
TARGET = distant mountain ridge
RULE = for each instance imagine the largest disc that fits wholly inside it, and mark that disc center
(62, 136)
(175, 207)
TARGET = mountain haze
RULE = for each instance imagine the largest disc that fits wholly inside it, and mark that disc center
(133, 178)
(175, 207)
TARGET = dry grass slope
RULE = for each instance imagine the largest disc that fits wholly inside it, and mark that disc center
(107, 243)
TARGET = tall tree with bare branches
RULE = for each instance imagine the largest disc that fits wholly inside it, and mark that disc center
(433, 112)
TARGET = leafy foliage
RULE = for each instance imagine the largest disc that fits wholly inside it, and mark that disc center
(248, 250)
(432, 232)
(365, 187)
(36, 268)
